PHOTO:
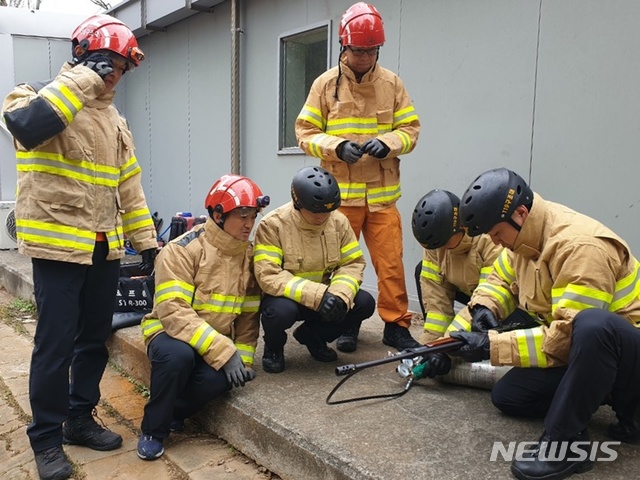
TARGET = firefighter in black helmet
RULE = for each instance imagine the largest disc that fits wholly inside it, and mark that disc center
(452, 267)
(581, 281)
(309, 264)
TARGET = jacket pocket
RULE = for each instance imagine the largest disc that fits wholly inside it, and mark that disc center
(55, 197)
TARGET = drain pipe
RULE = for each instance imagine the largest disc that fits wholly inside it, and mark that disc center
(235, 90)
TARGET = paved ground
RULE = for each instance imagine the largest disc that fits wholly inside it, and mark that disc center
(436, 430)
(193, 454)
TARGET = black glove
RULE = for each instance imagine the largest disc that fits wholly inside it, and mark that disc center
(332, 308)
(349, 152)
(483, 319)
(476, 348)
(437, 364)
(148, 257)
(99, 63)
(249, 374)
(235, 371)
(375, 148)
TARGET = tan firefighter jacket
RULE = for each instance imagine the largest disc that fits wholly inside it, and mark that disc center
(445, 271)
(562, 262)
(77, 172)
(377, 107)
(206, 295)
(300, 261)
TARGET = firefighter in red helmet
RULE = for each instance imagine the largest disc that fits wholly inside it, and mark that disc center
(357, 119)
(79, 194)
(202, 334)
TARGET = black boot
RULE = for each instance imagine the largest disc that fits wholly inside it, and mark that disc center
(52, 464)
(348, 341)
(273, 360)
(83, 430)
(398, 337)
(316, 346)
(554, 460)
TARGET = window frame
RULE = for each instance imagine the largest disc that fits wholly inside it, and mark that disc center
(282, 39)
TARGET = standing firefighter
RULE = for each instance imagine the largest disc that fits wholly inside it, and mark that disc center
(357, 119)
(582, 282)
(202, 333)
(79, 192)
(309, 265)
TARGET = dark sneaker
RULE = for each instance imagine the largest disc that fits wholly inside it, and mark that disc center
(398, 337)
(84, 430)
(273, 360)
(316, 346)
(176, 426)
(550, 460)
(348, 341)
(150, 448)
(53, 464)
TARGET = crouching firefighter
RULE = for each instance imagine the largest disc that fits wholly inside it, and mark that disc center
(309, 264)
(202, 333)
(581, 280)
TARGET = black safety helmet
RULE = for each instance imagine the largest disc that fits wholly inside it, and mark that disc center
(436, 218)
(315, 189)
(492, 198)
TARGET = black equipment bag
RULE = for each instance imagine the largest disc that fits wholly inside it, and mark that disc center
(134, 297)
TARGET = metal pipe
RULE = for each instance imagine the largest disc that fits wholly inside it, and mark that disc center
(235, 90)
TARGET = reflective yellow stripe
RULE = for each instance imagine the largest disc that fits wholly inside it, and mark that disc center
(294, 287)
(627, 290)
(313, 116)
(350, 252)
(270, 253)
(247, 352)
(431, 271)
(129, 169)
(579, 298)
(232, 304)
(405, 139)
(203, 338)
(501, 294)
(136, 219)
(347, 280)
(50, 234)
(174, 289)
(459, 323)
(56, 164)
(63, 98)
(316, 143)
(529, 343)
(503, 267)
(404, 116)
(352, 125)
(351, 191)
(385, 194)
(437, 322)
(150, 326)
(484, 273)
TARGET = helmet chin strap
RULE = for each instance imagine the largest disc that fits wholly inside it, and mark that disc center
(514, 224)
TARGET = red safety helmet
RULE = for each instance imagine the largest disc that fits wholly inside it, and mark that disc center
(103, 32)
(361, 27)
(235, 191)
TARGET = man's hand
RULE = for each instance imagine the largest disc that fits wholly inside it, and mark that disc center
(476, 346)
(349, 152)
(436, 364)
(148, 259)
(235, 371)
(375, 148)
(99, 63)
(332, 308)
(483, 319)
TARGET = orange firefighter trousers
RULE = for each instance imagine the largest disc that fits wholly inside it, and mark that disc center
(382, 231)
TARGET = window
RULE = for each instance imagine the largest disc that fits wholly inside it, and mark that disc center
(303, 57)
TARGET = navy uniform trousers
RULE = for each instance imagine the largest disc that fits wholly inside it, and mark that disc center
(75, 309)
(604, 359)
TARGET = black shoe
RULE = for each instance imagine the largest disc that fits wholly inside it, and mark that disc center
(84, 430)
(546, 462)
(624, 431)
(348, 341)
(398, 337)
(53, 464)
(316, 346)
(273, 360)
